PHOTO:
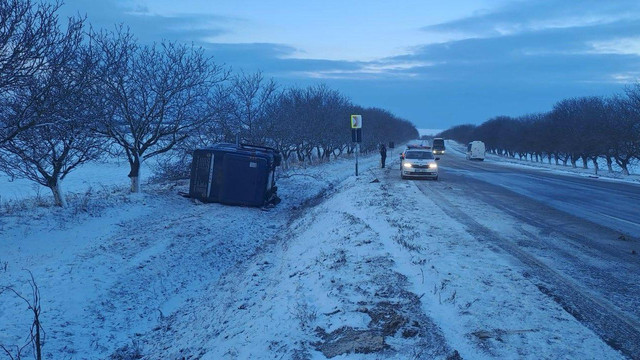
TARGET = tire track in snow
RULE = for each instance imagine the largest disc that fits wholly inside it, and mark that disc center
(618, 330)
(621, 285)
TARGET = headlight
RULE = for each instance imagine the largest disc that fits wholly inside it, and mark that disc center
(407, 165)
(433, 166)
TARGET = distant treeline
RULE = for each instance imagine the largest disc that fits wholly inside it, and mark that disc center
(71, 94)
(583, 128)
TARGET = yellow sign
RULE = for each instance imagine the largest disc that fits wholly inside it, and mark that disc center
(356, 121)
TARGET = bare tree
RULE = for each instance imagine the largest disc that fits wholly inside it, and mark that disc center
(624, 128)
(152, 96)
(36, 336)
(333, 120)
(251, 94)
(55, 99)
(460, 133)
(29, 34)
(287, 114)
(47, 154)
(217, 127)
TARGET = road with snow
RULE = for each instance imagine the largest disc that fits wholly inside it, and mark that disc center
(612, 204)
(576, 236)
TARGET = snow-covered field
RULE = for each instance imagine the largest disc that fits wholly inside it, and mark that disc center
(91, 176)
(344, 267)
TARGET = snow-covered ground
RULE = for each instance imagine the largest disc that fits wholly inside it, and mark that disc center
(91, 176)
(634, 168)
(344, 266)
(113, 265)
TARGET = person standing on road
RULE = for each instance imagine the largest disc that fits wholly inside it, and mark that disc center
(383, 154)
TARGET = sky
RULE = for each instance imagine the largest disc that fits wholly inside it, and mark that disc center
(434, 63)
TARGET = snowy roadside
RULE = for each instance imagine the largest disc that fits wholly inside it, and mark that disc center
(112, 266)
(376, 268)
(634, 169)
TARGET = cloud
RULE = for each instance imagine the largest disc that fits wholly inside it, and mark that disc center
(519, 17)
(521, 40)
(593, 51)
(373, 70)
(150, 27)
(552, 55)
(276, 60)
(626, 78)
(516, 59)
(620, 46)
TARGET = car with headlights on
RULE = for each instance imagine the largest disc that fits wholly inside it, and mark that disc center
(438, 146)
(417, 162)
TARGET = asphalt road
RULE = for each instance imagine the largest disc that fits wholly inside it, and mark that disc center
(612, 204)
(577, 238)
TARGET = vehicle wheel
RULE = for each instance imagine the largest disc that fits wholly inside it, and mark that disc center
(435, 178)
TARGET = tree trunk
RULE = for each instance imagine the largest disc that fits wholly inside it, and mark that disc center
(327, 153)
(584, 162)
(625, 170)
(623, 163)
(285, 159)
(309, 155)
(595, 164)
(37, 338)
(58, 195)
(134, 175)
(609, 164)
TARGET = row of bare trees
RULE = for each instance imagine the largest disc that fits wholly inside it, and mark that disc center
(584, 129)
(304, 124)
(71, 95)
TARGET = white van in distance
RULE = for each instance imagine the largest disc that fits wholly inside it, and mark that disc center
(475, 150)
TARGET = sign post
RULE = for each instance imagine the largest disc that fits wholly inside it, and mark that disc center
(356, 134)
